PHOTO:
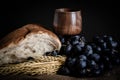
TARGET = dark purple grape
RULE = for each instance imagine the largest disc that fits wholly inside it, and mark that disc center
(93, 45)
(82, 38)
(81, 63)
(81, 72)
(81, 43)
(70, 63)
(100, 41)
(109, 39)
(75, 38)
(74, 42)
(105, 59)
(63, 71)
(101, 65)
(103, 45)
(68, 42)
(91, 63)
(112, 44)
(54, 53)
(82, 57)
(68, 49)
(106, 52)
(107, 63)
(88, 47)
(96, 72)
(97, 49)
(95, 57)
(88, 50)
(77, 48)
(86, 54)
(115, 60)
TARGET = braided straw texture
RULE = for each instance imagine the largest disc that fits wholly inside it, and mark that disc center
(42, 65)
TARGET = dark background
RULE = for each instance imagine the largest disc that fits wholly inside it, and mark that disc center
(99, 17)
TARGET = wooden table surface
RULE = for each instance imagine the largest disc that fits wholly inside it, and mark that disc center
(112, 75)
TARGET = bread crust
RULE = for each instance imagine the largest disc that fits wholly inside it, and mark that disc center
(19, 34)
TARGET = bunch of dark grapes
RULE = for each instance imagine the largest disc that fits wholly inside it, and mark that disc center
(88, 58)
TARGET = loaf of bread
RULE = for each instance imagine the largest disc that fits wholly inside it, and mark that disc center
(31, 40)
